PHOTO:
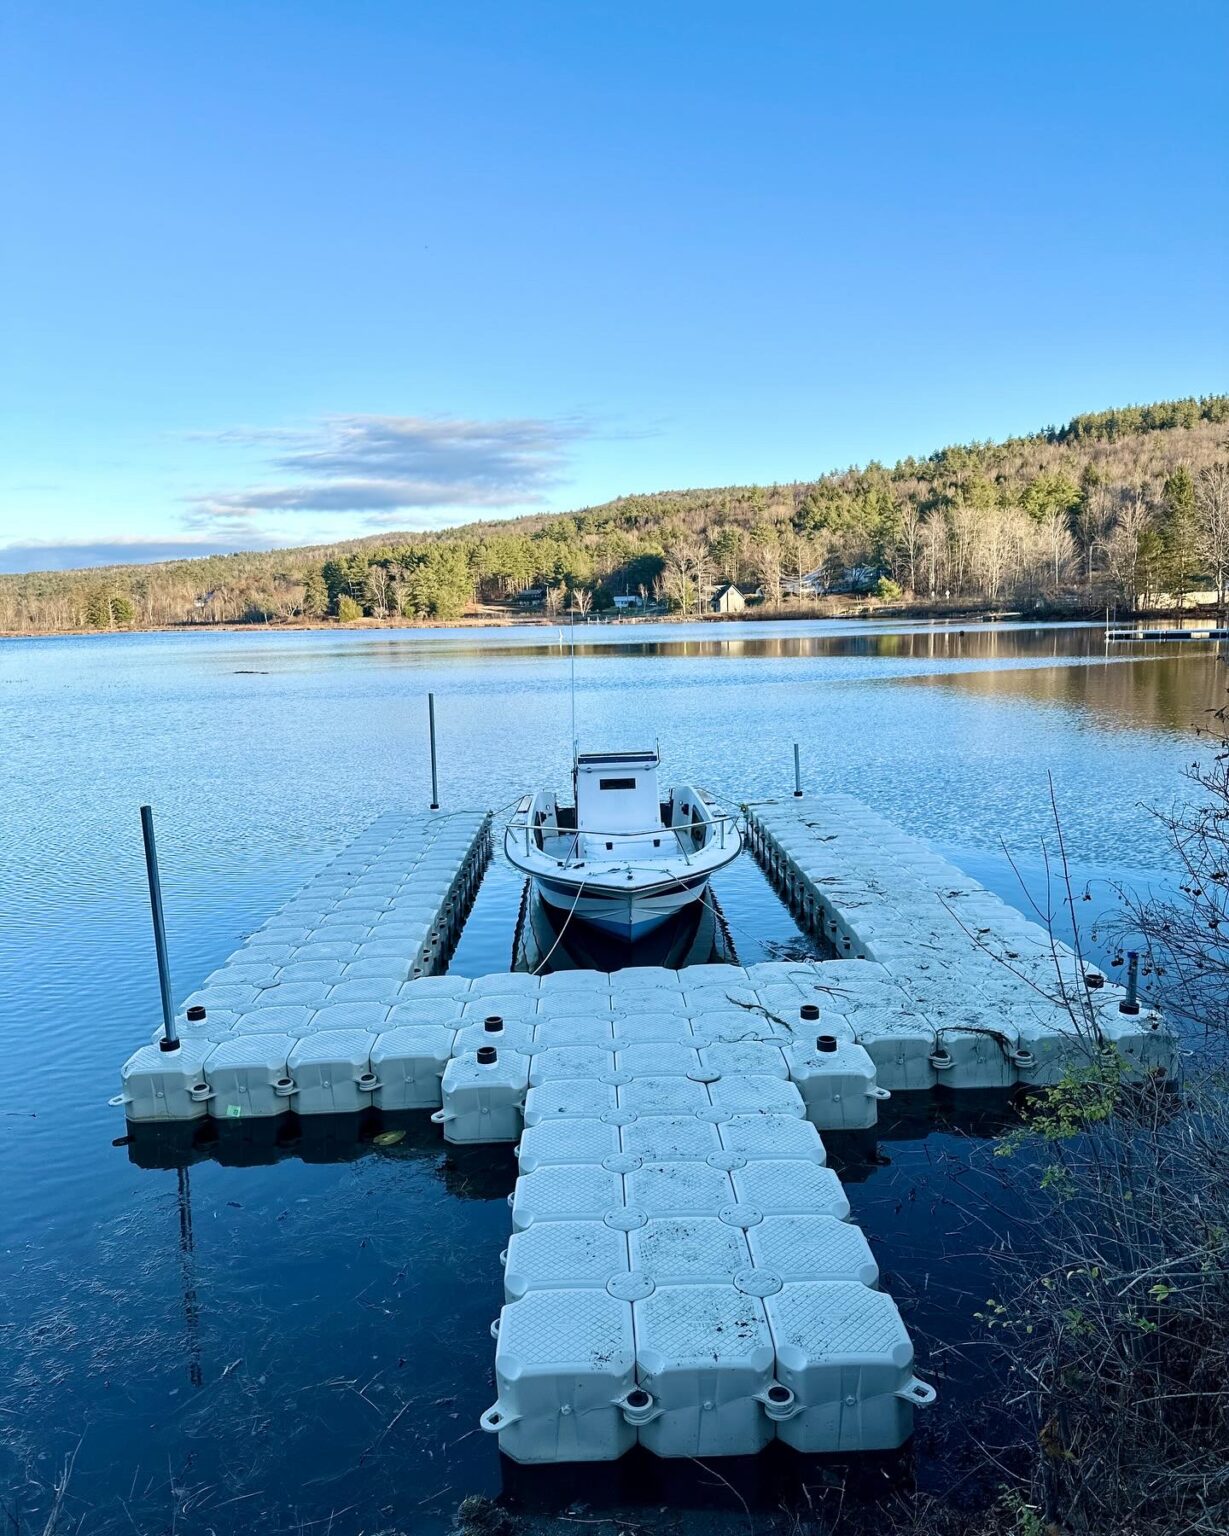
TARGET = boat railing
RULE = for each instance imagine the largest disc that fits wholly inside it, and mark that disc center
(532, 832)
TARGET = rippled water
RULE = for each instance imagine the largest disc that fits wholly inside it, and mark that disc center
(288, 1331)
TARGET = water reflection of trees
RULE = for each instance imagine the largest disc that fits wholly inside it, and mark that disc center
(1173, 691)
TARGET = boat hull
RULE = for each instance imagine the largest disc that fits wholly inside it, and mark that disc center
(627, 915)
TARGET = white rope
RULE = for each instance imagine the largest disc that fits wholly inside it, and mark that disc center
(537, 971)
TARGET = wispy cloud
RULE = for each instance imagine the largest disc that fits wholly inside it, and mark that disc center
(68, 555)
(386, 465)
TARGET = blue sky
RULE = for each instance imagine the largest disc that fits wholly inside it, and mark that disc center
(277, 273)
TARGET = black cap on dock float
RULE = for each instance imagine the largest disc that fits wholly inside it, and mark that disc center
(826, 1043)
(809, 1012)
(196, 1014)
(487, 1055)
(492, 1024)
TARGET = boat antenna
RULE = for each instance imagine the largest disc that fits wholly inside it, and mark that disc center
(572, 635)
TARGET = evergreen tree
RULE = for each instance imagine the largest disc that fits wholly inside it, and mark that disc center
(1178, 533)
(315, 596)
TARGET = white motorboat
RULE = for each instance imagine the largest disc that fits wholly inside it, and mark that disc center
(621, 858)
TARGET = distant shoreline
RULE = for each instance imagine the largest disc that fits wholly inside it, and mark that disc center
(496, 619)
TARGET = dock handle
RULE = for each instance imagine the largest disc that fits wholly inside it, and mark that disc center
(920, 1393)
(495, 1419)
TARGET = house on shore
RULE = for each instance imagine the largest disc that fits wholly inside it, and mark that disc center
(729, 598)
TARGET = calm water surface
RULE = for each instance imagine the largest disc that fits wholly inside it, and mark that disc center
(274, 1334)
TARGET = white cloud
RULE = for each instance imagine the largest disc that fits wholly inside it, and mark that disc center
(70, 554)
(387, 465)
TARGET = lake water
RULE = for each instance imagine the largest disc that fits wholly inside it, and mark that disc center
(295, 1336)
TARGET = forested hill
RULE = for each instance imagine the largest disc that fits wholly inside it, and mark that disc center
(1123, 506)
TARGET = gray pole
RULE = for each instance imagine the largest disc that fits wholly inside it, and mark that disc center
(170, 1039)
(1130, 1003)
(435, 782)
(797, 775)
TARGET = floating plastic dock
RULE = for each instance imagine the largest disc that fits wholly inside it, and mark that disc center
(962, 990)
(682, 1272)
(1192, 632)
(290, 1021)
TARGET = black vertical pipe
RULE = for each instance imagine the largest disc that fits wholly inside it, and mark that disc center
(435, 781)
(1130, 1004)
(170, 1039)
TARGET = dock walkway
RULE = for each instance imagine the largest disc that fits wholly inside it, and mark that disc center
(682, 1271)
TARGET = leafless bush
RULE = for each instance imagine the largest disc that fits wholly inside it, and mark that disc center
(1114, 1299)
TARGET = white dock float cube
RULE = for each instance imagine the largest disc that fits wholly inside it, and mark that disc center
(409, 1066)
(701, 1000)
(812, 1248)
(293, 1019)
(844, 1353)
(501, 985)
(678, 1189)
(1050, 1044)
(327, 972)
(575, 982)
(757, 1095)
(566, 1005)
(506, 1006)
(569, 1096)
(657, 1059)
(373, 1017)
(636, 1028)
(670, 1138)
(366, 989)
(566, 1192)
(412, 1009)
(705, 1355)
(976, 1056)
(166, 1085)
(564, 1363)
(838, 1085)
(563, 1255)
(777, 1136)
(332, 1072)
(250, 1076)
(900, 1045)
(735, 1026)
(688, 1250)
(482, 1100)
(664, 1095)
(434, 987)
(789, 1187)
(570, 1139)
(635, 980)
(276, 994)
(597, 1031)
(758, 1058)
(569, 1061)
(1142, 1041)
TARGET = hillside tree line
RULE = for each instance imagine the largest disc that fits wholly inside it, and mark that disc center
(1126, 507)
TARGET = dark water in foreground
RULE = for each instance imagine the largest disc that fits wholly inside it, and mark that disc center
(291, 1334)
